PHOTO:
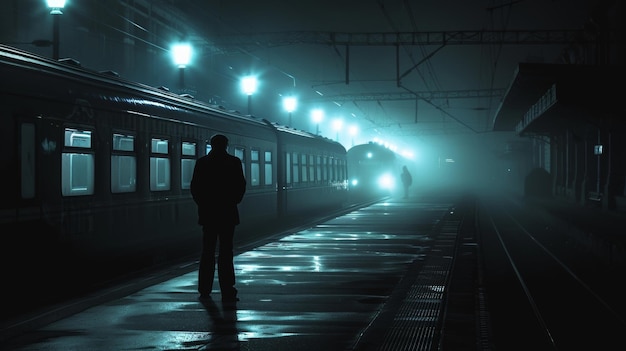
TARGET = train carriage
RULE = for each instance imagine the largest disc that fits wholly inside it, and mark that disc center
(97, 169)
(313, 173)
(105, 163)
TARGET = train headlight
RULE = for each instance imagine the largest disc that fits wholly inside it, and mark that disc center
(386, 182)
(354, 182)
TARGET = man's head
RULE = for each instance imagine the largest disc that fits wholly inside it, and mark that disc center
(219, 142)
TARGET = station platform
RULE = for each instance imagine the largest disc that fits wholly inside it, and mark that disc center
(400, 274)
(373, 279)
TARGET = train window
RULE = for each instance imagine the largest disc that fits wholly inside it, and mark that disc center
(318, 167)
(254, 168)
(27, 160)
(159, 165)
(330, 168)
(338, 173)
(123, 142)
(77, 166)
(208, 148)
(268, 168)
(187, 163)
(312, 168)
(78, 138)
(123, 173)
(160, 146)
(240, 152)
(188, 148)
(296, 164)
(303, 165)
(123, 164)
(288, 166)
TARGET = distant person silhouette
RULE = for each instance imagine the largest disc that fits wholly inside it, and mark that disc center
(217, 186)
(407, 180)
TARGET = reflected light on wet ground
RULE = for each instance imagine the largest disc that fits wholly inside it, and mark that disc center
(319, 287)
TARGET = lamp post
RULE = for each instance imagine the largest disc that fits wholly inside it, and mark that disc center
(318, 116)
(181, 54)
(55, 10)
(249, 85)
(290, 103)
(337, 125)
(354, 130)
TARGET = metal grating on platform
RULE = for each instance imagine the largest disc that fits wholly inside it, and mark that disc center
(415, 325)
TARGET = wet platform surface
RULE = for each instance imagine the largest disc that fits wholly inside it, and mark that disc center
(327, 287)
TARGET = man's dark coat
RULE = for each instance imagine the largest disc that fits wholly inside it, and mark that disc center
(217, 187)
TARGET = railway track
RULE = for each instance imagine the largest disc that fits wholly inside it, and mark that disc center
(544, 289)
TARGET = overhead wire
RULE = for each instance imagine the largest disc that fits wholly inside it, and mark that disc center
(431, 69)
(496, 48)
(391, 22)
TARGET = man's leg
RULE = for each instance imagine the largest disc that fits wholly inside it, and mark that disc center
(225, 264)
(206, 271)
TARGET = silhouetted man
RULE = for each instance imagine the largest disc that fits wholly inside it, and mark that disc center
(217, 187)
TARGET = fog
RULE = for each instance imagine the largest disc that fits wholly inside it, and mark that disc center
(484, 162)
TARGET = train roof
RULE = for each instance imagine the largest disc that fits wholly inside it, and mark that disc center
(126, 92)
(290, 130)
(286, 130)
(72, 69)
(370, 146)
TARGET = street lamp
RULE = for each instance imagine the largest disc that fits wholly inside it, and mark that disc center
(353, 130)
(290, 103)
(55, 10)
(318, 116)
(249, 85)
(337, 125)
(181, 54)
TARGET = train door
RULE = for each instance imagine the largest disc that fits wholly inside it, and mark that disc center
(19, 161)
(28, 206)
(284, 182)
(27, 161)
